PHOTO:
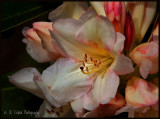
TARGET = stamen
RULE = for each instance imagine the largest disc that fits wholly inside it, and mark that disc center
(85, 59)
(91, 59)
(87, 69)
(83, 64)
(97, 65)
(85, 55)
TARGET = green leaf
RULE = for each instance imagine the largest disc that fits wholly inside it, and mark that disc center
(18, 103)
(15, 12)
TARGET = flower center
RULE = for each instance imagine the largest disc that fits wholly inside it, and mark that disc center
(90, 65)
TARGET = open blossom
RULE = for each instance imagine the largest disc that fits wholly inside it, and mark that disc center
(38, 41)
(98, 49)
(114, 11)
(142, 14)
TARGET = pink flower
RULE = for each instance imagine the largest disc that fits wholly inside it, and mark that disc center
(91, 69)
(129, 32)
(98, 49)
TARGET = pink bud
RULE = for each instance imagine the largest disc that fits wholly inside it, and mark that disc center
(140, 92)
(129, 32)
(115, 12)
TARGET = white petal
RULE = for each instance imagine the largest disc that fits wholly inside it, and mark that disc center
(122, 65)
(119, 44)
(77, 105)
(66, 80)
(68, 10)
(44, 88)
(145, 68)
(24, 79)
(109, 86)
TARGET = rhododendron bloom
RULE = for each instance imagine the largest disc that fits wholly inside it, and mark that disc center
(114, 11)
(93, 42)
(38, 41)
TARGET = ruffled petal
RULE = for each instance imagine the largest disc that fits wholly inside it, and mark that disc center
(109, 86)
(77, 106)
(146, 53)
(24, 79)
(34, 46)
(65, 81)
(119, 43)
(69, 10)
(122, 61)
(78, 37)
(141, 93)
(42, 29)
(145, 68)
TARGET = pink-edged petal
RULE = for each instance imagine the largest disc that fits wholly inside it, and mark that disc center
(122, 61)
(66, 81)
(145, 68)
(109, 86)
(69, 10)
(146, 52)
(24, 79)
(140, 92)
(34, 46)
(96, 30)
(42, 29)
(92, 98)
(77, 106)
(45, 89)
(78, 37)
(119, 43)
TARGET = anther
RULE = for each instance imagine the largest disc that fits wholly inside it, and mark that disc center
(95, 64)
(48, 111)
(82, 68)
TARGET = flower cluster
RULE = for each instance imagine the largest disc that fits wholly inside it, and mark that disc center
(101, 67)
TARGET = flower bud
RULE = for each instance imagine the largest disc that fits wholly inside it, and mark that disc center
(129, 32)
(115, 12)
(140, 92)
